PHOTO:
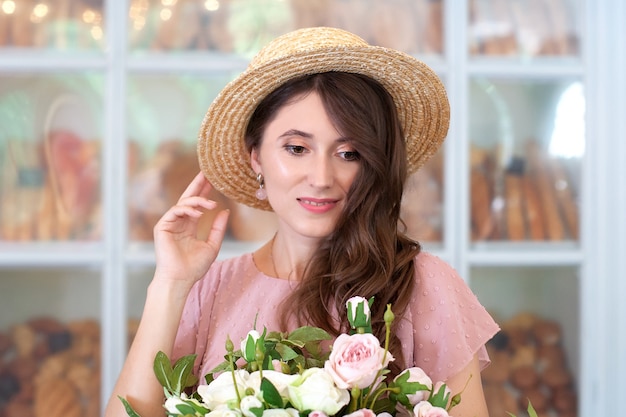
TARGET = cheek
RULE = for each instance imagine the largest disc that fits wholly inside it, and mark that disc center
(348, 178)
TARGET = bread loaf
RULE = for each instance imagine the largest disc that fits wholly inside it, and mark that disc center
(532, 210)
(482, 220)
(516, 229)
(565, 197)
(537, 368)
(57, 398)
(553, 222)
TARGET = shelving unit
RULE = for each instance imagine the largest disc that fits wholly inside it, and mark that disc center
(116, 271)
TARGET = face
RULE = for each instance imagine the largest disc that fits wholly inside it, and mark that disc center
(308, 167)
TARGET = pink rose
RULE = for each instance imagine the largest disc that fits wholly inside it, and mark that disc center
(426, 409)
(318, 414)
(355, 360)
(363, 412)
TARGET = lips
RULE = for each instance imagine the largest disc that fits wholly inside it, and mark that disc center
(317, 205)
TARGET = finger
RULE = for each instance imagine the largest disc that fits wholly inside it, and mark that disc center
(197, 201)
(179, 211)
(218, 229)
(199, 186)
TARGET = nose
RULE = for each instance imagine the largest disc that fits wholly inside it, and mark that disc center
(321, 172)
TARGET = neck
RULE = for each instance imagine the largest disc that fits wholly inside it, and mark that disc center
(288, 260)
(274, 269)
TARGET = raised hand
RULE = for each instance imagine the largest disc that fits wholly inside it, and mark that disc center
(180, 254)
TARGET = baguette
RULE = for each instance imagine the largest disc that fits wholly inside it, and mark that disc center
(513, 206)
(533, 213)
(482, 220)
(565, 198)
(552, 220)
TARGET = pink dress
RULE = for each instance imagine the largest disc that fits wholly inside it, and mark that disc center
(441, 331)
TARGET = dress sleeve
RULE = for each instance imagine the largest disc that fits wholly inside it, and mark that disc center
(194, 323)
(446, 325)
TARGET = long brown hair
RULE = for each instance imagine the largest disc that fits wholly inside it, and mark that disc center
(367, 254)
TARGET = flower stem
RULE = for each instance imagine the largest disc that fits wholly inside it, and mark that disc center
(377, 395)
(229, 349)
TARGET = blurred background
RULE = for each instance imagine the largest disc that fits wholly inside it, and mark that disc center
(100, 106)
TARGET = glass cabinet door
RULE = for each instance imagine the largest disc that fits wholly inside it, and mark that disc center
(51, 220)
(50, 341)
(527, 144)
(535, 355)
(51, 143)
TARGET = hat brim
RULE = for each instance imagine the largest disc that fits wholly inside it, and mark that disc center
(418, 93)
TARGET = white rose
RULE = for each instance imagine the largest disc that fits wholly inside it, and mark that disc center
(221, 391)
(223, 411)
(278, 379)
(248, 402)
(281, 412)
(316, 390)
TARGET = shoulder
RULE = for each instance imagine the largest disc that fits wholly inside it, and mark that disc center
(439, 288)
(230, 269)
(239, 263)
(430, 268)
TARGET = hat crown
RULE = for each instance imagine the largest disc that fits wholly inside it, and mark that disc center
(306, 40)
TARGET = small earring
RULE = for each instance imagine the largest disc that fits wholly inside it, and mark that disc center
(261, 194)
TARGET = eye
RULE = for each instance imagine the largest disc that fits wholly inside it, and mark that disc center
(295, 149)
(350, 155)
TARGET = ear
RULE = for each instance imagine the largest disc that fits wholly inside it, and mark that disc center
(255, 160)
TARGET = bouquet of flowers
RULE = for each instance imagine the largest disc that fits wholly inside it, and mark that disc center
(275, 374)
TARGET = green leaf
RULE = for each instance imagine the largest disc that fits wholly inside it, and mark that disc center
(182, 374)
(163, 370)
(308, 334)
(274, 336)
(312, 363)
(257, 411)
(224, 366)
(186, 409)
(250, 349)
(408, 387)
(128, 407)
(286, 353)
(270, 394)
(440, 399)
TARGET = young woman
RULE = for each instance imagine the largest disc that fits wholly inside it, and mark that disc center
(323, 129)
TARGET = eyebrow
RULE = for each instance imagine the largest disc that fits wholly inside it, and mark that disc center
(296, 132)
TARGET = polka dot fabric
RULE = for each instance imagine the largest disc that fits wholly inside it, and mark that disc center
(441, 331)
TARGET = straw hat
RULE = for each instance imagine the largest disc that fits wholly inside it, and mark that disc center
(418, 93)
